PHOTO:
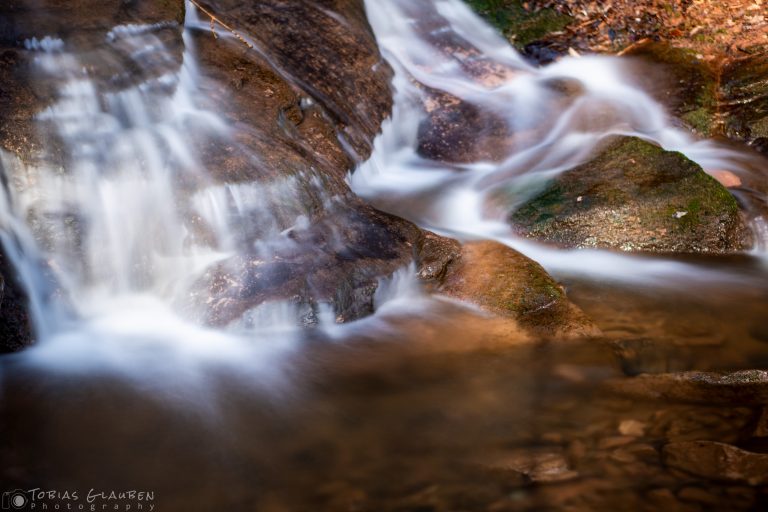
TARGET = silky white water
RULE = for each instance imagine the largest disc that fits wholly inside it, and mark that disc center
(442, 45)
(115, 223)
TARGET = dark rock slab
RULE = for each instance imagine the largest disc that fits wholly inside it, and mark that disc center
(717, 461)
(744, 387)
(327, 49)
(744, 98)
(15, 325)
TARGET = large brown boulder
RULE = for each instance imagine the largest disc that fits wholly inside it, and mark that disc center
(506, 283)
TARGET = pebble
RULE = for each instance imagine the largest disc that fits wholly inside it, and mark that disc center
(632, 428)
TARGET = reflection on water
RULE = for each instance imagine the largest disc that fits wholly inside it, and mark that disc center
(441, 411)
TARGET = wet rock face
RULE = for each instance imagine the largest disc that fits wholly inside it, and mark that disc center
(749, 387)
(278, 132)
(459, 132)
(744, 89)
(681, 80)
(15, 328)
(326, 48)
(287, 120)
(506, 283)
(80, 21)
(718, 461)
(337, 261)
(634, 196)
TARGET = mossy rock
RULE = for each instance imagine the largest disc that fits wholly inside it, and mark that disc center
(508, 284)
(744, 92)
(519, 25)
(681, 80)
(635, 196)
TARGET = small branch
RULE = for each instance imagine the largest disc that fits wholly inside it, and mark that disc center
(215, 20)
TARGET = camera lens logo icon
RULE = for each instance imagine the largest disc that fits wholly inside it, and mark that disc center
(14, 500)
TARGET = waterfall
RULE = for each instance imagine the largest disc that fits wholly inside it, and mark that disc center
(113, 224)
(117, 222)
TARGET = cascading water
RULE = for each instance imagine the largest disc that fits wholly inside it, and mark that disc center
(113, 227)
(553, 117)
(121, 214)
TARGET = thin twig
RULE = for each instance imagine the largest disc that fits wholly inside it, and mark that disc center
(215, 20)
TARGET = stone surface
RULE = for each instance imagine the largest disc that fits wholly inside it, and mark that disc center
(681, 80)
(718, 461)
(744, 98)
(15, 327)
(634, 196)
(541, 466)
(746, 387)
(327, 49)
(504, 282)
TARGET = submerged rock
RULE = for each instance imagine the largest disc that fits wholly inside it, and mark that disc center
(506, 283)
(747, 387)
(535, 465)
(635, 196)
(458, 131)
(717, 461)
(338, 261)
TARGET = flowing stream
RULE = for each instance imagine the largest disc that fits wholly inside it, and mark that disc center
(112, 227)
(443, 45)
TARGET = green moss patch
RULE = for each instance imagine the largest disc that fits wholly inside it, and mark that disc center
(519, 25)
(635, 196)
